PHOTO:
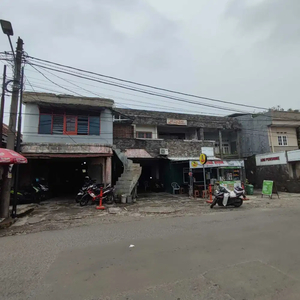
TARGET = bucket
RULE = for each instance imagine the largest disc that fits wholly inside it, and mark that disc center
(129, 199)
(123, 199)
(249, 189)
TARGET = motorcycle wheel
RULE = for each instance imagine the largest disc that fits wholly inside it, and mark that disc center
(214, 203)
(238, 203)
(84, 200)
(110, 199)
(77, 198)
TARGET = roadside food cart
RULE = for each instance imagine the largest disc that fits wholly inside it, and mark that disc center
(228, 173)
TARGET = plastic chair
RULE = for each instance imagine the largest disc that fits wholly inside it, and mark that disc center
(196, 193)
(175, 187)
(205, 194)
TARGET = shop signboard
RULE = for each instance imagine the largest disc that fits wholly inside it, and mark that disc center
(271, 159)
(293, 155)
(217, 163)
(203, 159)
(176, 122)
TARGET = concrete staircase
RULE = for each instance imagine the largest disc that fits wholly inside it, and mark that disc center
(130, 176)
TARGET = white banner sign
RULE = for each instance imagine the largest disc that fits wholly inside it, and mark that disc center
(209, 151)
(293, 155)
(271, 159)
(194, 164)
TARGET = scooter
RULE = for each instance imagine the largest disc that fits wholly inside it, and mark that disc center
(28, 194)
(93, 193)
(42, 187)
(225, 197)
(87, 182)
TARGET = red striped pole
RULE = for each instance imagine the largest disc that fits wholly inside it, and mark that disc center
(100, 203)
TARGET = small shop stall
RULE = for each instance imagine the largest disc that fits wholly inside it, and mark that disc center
(228, 173)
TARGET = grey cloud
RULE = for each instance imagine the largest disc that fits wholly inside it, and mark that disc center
(78, 22)
(279, 18)
(236, 52)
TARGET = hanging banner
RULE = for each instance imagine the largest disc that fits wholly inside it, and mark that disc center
(194, 164)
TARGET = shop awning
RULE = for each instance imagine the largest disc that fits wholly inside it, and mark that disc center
(64, 155)
(8, 156)
(194, 164)
(191, 158)
(137, 153)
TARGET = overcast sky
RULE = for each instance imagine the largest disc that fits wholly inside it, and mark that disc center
(244, 51)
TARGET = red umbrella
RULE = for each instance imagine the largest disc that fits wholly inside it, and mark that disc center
(11, 157)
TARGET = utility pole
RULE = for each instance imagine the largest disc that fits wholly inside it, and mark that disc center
(18, 149)
(2, 105)
(5, 197)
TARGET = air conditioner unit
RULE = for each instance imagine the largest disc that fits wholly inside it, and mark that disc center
(163, 151)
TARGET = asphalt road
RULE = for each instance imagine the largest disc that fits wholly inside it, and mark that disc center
(242, 255)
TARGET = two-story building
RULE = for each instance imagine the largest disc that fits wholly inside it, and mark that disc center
(164, 144)
(269, 141)
(274, 131)
(65, 138)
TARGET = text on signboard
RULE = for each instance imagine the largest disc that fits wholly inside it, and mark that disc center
(270, 159)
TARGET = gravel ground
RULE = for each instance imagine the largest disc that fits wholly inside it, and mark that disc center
(65, 213)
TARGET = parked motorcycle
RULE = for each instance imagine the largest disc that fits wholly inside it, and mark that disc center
(225, 197)
(87, 182)
(28, 194)
(93, 194)
(42, 187)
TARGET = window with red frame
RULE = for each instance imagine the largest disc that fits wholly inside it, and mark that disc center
(69, 124)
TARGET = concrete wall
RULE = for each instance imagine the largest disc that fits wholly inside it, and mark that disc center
(177, 148)
(48, 148)
(123, 131)
(96, 169)
(254, 134)
(31, 127)
(278, 173)
(282, 175)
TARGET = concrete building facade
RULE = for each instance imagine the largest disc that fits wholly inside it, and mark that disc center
(66, 138)
(163, 143)
(273, 131)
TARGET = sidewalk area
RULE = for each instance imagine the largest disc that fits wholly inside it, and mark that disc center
(63, 213)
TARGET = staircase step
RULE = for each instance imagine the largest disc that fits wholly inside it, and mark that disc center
(132, 172)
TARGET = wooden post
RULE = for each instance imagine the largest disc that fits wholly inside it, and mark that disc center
(221, 143)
